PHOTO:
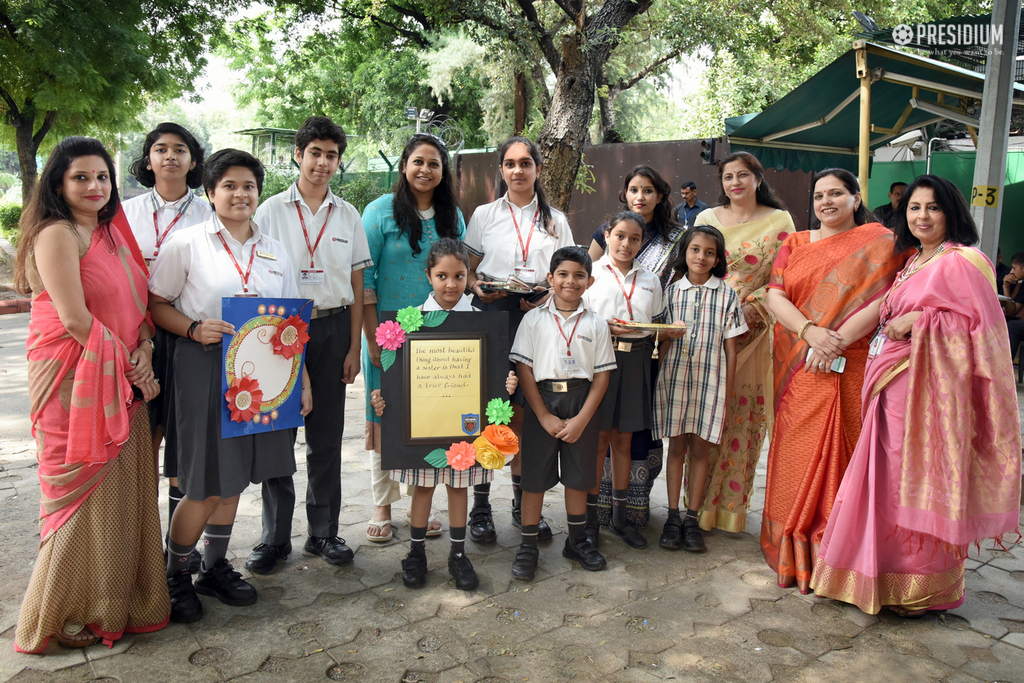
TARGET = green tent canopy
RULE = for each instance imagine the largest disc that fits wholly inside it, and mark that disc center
(817, 125)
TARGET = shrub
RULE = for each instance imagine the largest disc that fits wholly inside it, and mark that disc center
(10, 214)
(359, 189)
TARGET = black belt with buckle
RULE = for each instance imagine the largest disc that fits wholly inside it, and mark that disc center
(630, 344)
(562, 386)
(326, 312)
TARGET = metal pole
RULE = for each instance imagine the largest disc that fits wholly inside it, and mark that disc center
(864, 148)
(997, 97)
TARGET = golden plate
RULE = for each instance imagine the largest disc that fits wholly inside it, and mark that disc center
(649, 327)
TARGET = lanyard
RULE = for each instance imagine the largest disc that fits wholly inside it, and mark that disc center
(689, 212)
(568, 340)
(524, 247)
(629, 304)
(252, 255)
(305, 234)
(156, 226)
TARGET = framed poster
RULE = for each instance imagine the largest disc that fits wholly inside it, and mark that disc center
(262, 378)
(438, 384)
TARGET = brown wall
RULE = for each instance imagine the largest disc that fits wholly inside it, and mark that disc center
(677, 160)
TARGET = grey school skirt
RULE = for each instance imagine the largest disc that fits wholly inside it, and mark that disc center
(207, 464)
(627, 403)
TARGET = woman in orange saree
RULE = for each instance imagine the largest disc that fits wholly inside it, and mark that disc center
(100, 571)
(824, 291)
(937, 466)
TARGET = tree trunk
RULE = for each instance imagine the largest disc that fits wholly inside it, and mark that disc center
(606, 94)
(566, 128)
(520, 90)
(28, 144)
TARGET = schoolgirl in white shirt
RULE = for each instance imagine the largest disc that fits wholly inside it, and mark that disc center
(625, 290)
(226, 256)
(171, 163)
(515, 236)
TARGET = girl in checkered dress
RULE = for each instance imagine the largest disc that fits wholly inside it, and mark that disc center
(447, 269)
(696, 375)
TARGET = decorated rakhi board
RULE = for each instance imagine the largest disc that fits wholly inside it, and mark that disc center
(262, 380)
(444, 385)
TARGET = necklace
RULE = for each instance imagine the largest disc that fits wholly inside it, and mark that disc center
(913, 266)
(729, 207)
(567, 310)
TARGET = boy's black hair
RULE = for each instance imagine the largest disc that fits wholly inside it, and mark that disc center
(1018, 259)
(447, 246)
(719, 269)
(689, 184)
(221, 160)
(575, 254)
(320, 128)
(147, 178)
(960, 227)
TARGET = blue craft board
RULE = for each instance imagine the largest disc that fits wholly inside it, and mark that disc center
(242, 312)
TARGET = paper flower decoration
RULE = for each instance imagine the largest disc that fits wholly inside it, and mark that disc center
(410, 318)
(499, 411)
(487, 455)
(390, 335)
(290, 338)
(244, 397)
(502, 438)
(461, 456)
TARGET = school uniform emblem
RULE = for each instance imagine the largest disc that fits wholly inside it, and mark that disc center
(470, 421)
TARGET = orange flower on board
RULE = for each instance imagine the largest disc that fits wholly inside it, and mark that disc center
(461, 456)
(244, 398)
(502, 438)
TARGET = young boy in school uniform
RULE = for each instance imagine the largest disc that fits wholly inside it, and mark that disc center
(563, 354)
(323, 235)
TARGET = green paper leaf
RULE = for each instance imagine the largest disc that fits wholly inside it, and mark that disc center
(434, 318)
(437, 458)
(387, 359)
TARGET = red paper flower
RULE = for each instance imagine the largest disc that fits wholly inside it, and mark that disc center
(390, 335)
(290, 337)
(244, 399)
(461, 456)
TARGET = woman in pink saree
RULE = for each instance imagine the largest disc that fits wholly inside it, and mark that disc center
(99, 572)
(937, 466)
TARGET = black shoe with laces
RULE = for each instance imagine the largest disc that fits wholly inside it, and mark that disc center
(672, 534)
(462, 571)
(185, 605)
(414, 570)
(226, 584)
(264, 557)
(543, 529)
(524, 567)
(481, 524)
(629, 534)
(331, 548)
(585, 553)
(693, 538)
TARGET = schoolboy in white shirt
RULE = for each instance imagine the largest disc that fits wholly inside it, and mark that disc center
(323, 235)
(563, 354)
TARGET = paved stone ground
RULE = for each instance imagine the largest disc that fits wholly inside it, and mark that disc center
(652, 615)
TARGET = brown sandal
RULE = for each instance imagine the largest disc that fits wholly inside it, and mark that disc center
(76, 635)
(905, 613)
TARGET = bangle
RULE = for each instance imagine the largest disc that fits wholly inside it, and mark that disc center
(192, 328)
(152, 344)
(803, 329)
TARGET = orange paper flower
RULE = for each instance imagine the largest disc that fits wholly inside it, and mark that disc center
(488, 455)
(244, 398)
(461, 456)
(502, 438)
(290, 337)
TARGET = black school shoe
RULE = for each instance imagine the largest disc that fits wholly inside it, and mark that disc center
(672, 534)
(524, 567)
(693, 537)
(593, 534)
(185, 605)
(462, 571)
(414, 570)
(584, 552)
(264, 557)
(481, 524)
(543, 530)
(225, 584)
(195, 560)
(629, 534)
(332, 549)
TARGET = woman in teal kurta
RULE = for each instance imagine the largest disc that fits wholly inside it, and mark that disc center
(400, 229)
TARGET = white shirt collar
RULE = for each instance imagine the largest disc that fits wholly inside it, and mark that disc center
(215, 226)
(295, 196)
(607, 261)
(551, 307)
(532, 205)
(158, 202)
(712, 283)
(431, 304)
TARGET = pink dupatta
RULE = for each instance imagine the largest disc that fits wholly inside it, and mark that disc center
(81, 401)
(960, 474)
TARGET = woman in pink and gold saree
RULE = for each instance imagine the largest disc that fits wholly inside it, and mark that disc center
(825, 290)
(937, 466)
(100, 570)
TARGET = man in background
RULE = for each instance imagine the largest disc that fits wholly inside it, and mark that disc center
(691, 207)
